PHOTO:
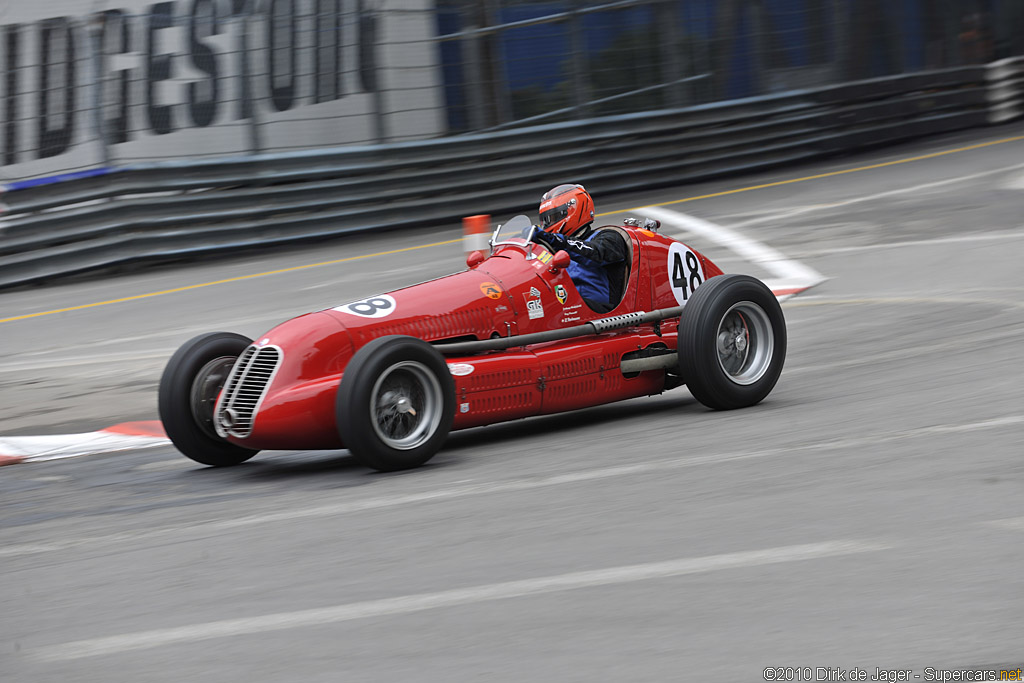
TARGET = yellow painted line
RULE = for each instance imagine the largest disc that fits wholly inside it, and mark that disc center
(608, 213)
(230, 279)
(831, 174)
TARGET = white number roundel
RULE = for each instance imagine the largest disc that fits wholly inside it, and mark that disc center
(378, 306)
(685, 271)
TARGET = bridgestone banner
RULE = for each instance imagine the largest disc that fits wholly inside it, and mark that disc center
(89, 83)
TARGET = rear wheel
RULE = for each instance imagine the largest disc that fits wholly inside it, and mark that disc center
(396, 403)
(189, 387)
(732, 342)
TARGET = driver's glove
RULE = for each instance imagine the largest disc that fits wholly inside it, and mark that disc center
(548, 240)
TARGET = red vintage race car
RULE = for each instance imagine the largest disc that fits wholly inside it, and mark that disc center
(388, 377)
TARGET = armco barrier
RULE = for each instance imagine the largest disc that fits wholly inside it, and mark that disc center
(1006, 89)
(173, 210)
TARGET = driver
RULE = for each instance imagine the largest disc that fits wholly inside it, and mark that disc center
(566, 216)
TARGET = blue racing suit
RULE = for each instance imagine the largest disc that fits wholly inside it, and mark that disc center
(591, 253)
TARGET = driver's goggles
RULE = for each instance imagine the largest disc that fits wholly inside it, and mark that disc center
(552, 216)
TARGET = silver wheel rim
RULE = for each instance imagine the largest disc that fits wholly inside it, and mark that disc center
(405, 405)
(745, 343)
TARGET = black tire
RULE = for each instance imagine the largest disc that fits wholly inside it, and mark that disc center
(732, 342)
(396, 403)
(193, 378)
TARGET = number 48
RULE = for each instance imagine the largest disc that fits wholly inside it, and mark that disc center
(686, 277)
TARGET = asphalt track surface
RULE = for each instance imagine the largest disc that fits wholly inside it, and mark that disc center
(868, 514)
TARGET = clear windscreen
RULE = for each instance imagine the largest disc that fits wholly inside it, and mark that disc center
(516, 231)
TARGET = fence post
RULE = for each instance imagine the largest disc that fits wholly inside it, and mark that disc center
(369, 29)
(581, 74)
(668, 28)
(250, 102)
(756, 15)
(94, 32)
(496, 62)
(474, 71)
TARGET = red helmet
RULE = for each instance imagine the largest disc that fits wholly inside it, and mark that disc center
(565, 209)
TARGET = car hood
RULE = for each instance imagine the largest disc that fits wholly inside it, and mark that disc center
(471, 304)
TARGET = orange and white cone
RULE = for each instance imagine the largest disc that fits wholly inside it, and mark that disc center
(475, 232)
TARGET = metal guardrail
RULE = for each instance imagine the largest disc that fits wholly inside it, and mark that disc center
(175, 210)
(1006, 89)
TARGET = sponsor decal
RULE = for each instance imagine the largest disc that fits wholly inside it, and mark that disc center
(501, 308)
(490, 290)
(460, 369)
(534, 308)
(463, 407)
(685, 271)
(379, 306)
(561, 294)
(544, 256)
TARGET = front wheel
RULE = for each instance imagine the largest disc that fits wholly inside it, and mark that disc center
(732, 342)
(189, 387)
(396, 403)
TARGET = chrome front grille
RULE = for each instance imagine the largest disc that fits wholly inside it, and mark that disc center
(245, 388)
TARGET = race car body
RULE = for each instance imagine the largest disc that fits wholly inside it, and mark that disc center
(510, 337)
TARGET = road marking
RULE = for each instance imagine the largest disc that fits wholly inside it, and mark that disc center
(1012, 524)
(954, 239)
(982, 340)
(724, 193)
(158, 357)
(792, 213)
(832, 174)
(1014, 183)
(899, 300)
(409, 604)
(434, 495)
(793, 276)
(240, 278)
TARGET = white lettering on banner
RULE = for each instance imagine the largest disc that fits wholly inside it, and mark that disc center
(192, 77)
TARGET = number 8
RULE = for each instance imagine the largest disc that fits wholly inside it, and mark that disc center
(694, 266)
(370, 306)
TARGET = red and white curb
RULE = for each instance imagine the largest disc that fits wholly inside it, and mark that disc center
(121, 437)
(790, 277)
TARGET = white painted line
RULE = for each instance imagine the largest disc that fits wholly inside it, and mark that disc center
(791, 213)
(792, 276)
(434, 495)
(1015, 182)
(957, 239)
(158, 358)
(1012, 524)
(408, 604)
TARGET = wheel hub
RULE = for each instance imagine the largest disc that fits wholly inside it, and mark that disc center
(407, 405)
(206, 387)
(396, 403)
(745, 343)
